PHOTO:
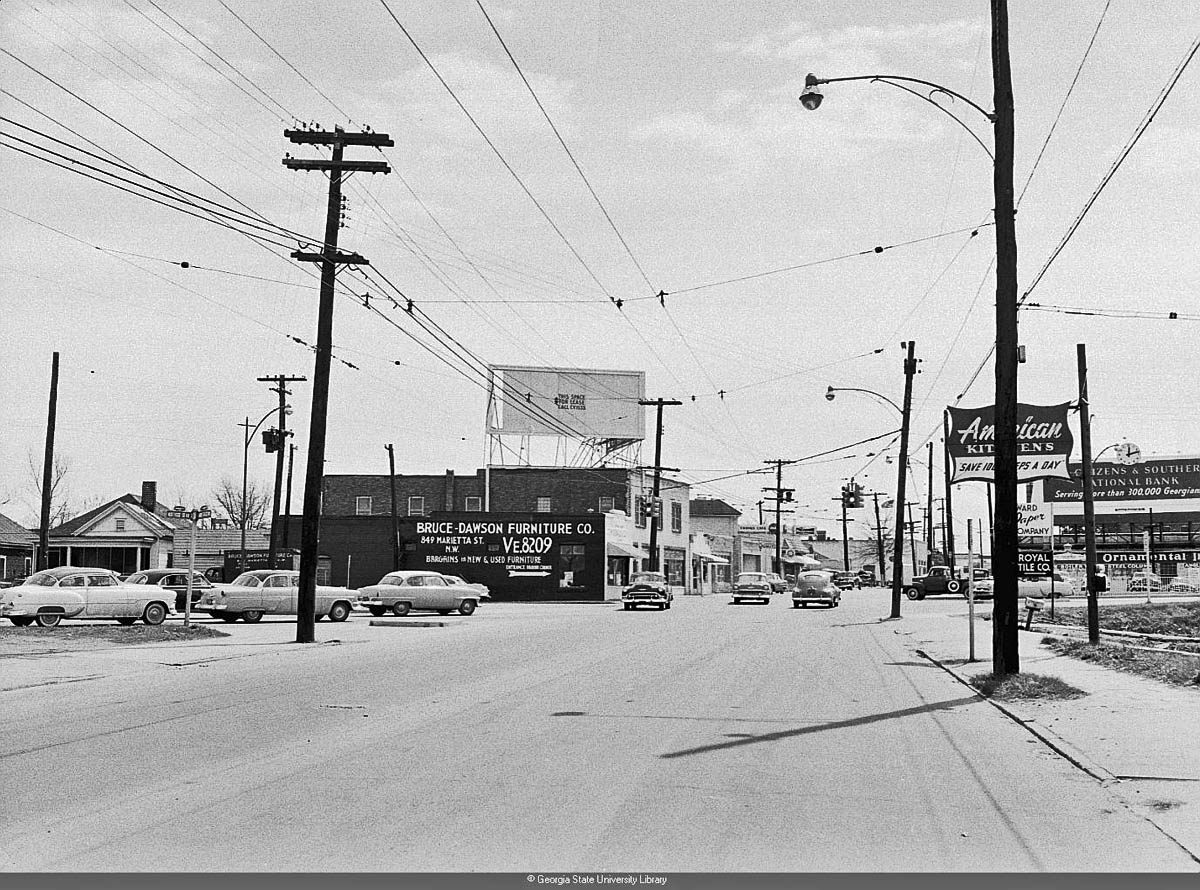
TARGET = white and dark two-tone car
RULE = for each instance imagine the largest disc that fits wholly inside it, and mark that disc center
(49, 596)
(647, 589)
(401, 592)
(271, 592)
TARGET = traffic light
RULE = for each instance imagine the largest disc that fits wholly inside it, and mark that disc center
(856, 495)
(272, 440)
(847, 496)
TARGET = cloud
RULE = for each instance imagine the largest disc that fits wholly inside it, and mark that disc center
(803, 41)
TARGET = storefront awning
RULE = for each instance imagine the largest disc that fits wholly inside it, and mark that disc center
(802, 560)
(615, 549)
(714, 560)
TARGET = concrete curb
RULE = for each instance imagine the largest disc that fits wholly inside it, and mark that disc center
(422, 622)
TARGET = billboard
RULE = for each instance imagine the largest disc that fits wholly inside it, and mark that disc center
(572, 402)
(1044, 442)
(1168, 486)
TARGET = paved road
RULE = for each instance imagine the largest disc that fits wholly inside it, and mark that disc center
(535, 738)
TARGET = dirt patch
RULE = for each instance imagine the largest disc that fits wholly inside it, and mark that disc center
(1175, 619)
(1024, 687)
(17, 641)
(1178, 670)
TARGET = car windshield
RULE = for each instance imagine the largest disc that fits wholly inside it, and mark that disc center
(139, 578)
(42, 579)
(750, 578)
(246, 580)
(648, 576)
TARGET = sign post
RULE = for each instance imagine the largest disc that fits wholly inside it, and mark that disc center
(1149, 564)
(187, 602)
(971, 592)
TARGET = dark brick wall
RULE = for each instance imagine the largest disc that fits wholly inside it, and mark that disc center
(514, 490)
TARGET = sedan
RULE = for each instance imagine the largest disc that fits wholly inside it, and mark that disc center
(403, 591)
(275, 592)
(753, 586)
(484, 591)
(69, 592)
(175, 581)
(1035, 586)
(816, 587)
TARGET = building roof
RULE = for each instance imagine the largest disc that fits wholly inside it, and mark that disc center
(712, 507)
(15, 535)
(131, 502)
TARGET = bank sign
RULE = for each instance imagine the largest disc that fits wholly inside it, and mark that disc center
(1044, 442)
(1165, 479)
(517, 556)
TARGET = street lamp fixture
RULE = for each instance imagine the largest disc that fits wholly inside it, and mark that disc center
(830, 395)
(250, 431)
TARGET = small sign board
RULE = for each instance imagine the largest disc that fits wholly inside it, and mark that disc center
(1034, 562)
(190, 515)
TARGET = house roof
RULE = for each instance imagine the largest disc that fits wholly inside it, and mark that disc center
(130, 502)
(712, 507)
(15, 535)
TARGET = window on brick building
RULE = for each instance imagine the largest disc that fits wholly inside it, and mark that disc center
(474, 505)
(676, 516)
(607, 504)
(542, 506)
(362, 506)
(416, 506)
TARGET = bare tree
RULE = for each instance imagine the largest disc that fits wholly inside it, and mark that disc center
(252, 512)
(61, 508)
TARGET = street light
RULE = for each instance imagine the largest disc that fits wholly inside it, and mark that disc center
(1005, 654)
(830, 394)
(245, 471)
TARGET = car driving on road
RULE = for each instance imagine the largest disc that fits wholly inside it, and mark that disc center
(816, 587)
(271, 592)
(752, 586)
(49, 596)
(401, 592)
(647, 589)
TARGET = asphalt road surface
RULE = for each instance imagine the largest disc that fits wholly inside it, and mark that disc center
(709, 738)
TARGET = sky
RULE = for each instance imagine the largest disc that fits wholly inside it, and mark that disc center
(684, 118)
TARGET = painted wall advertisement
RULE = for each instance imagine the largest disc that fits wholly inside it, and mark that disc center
(1044, 442)
(517, 556)
(1170, 479)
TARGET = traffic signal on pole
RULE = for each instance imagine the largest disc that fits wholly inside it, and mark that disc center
(856, 493)
(272, 440)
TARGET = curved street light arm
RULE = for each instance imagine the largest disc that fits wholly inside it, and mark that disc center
(869, 392)
(810, 80)
(942, 108)
(250, 433)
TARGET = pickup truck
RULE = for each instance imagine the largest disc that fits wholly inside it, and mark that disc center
(941, 579)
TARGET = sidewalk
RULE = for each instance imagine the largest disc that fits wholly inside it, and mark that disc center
(1139, 737)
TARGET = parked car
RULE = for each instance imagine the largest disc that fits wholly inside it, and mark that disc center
(817, 586)
(647, 589)
(49, 596)
(483, 590)
(943, 579)
(1181, 585)
(401, 592)
(866, 578)
(753, 586)
(778, 582)
(175, 581)
(1035, 586)
(271, 592)
(1144, 582)
(844, 580)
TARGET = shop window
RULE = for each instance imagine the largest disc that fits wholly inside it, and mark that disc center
(607, 504)
(362, 506)
(570, 564)
(617, 574)
(474, 505)
(674, 572)
(416, 506)
(676, 516)
(542, 506)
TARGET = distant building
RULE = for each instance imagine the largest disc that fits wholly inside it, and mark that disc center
(17, 545)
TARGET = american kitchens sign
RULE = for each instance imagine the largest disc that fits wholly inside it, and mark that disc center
(1044, 442)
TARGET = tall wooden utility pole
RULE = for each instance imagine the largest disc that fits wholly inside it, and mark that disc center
(43, 554)
(395, 521)
(287, 506)
(1005, 617)
(910, 370)
(948, 503)
(656, 506)
(879, 538)
(280, 381)
(1089, 503)
(929, 503)
(330, 259)
(781, 494)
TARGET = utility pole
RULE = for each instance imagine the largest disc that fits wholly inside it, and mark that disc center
(948, 526)
(656, 505)
(1089, 504)
(395, 521)
(43, 555)
(781, 494)
(280, 381)
(910, 370)
(330, 259)
(879, 537)
(1005, 620)
(760, 516)
(912, 540)
(929, 502)
(287, 509)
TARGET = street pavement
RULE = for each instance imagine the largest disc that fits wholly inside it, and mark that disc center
(711, 738)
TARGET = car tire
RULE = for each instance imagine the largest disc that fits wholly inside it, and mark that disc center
(953, 586)
(126, 620)
(22, 620)
(377, 611)
(339, 611)
(48, 619)
(795, 605)
(626, 606)
(466, 607)
(737, 602)
(912, 593)
(401, 609)
(155, 614)
(252, 616)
